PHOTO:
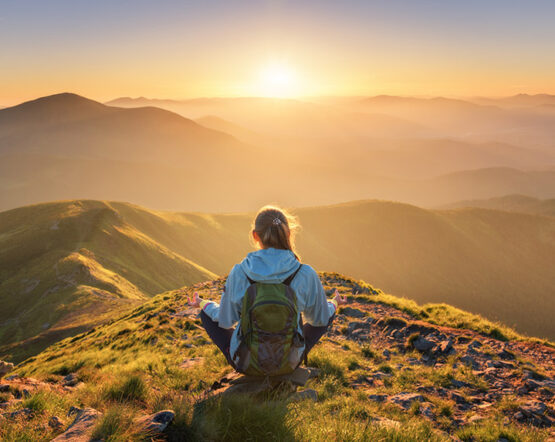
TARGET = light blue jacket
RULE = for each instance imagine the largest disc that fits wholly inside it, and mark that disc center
(271, 266)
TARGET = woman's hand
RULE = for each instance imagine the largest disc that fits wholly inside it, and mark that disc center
(194, 301)
(341, 300)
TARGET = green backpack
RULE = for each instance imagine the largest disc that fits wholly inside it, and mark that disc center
(269, 341)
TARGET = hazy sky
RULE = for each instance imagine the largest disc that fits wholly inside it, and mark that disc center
(178, 49)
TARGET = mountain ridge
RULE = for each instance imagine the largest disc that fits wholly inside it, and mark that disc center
(88, 255)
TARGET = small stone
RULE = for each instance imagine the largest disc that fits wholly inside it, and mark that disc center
(519, 416)
(4, 388)
(444, 347)
(459, 384)
(70, 380)
(378, 397)
(426, 410)
(353, 312)
(304, 395)
(533, 407)
(469, 360)
(475, 419)
(73, 410)
(5, 368)
(531, 384)
(423, 344)
(386, 353)
(55, 422)
(405, 400)
(82, 427)
(25, 413)
(507, 355)
(155, 423)
(357, 326)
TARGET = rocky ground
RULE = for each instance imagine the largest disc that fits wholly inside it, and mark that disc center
(383, 359)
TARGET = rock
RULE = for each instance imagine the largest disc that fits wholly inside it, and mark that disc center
(459, 384)
(73, 410)
(5, 368)
(386, 423)
(422, 329)
(12, 377)
(4, 388)
(426, 410)
(70, 380)
(444, 347)
(25, 413)
(381, 375)
(357, 326)
(519, 416)
(533, 407)
(405, 400)
(55, 423)
(507, 355)
(353, 312)
(307, 394)
(191, 362)
(359, 334)
(423, 344)
(475, 419)
(378, 397)
(531, 384)
(396, 322)
(469, 360)
(155, 423)
(82, 427)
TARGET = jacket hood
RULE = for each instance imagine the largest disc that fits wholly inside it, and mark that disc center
(269, 265)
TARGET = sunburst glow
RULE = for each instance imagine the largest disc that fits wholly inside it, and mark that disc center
(277, 79)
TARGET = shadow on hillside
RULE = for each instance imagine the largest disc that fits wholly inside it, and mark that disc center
(233, 417)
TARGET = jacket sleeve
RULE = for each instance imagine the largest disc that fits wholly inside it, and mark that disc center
(318, 310)
(228, 311)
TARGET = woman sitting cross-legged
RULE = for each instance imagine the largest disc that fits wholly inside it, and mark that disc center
(264, 298)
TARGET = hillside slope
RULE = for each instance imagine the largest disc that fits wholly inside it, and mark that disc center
(388, 370)
(510, 203)
(66, 264)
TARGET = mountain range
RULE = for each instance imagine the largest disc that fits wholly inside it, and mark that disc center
(67, 146)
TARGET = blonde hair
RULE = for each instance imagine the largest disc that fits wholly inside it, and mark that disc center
(276, 228)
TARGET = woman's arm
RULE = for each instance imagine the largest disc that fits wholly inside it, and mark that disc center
(319, 309)
(226, 313)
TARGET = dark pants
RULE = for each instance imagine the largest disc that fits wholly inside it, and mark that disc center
(222, 336)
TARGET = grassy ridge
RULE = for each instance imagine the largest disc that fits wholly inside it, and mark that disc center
(156, 356)
(70, 264)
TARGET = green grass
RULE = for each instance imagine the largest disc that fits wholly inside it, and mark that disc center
(37, 402)
(446, 315)
(131, 370)
(130, 389)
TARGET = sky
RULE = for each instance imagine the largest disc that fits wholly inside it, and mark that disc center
(104, 49)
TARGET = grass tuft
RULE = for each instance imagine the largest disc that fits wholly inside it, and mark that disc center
(131, 389)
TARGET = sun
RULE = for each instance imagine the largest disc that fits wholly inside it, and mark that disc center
(277, 79)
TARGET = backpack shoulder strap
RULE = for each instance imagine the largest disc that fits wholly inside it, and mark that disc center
(287, 281)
